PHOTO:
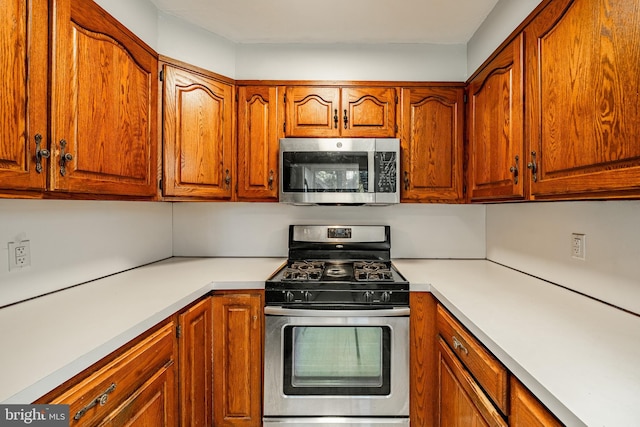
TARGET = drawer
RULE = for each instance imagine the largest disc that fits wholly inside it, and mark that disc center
(485, 368)
(97, 395)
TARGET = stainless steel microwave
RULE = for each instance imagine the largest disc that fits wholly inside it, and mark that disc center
(340, 171)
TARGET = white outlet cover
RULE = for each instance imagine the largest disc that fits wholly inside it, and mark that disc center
(19, 249)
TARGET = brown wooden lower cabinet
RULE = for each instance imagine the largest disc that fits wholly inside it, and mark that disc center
(136, 385)
(526, 410)
(237, 363)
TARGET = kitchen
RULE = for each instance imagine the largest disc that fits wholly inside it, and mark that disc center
(529, 237)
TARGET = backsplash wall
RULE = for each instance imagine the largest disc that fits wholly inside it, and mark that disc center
(536, 238)
(261, 229)
(76, 241)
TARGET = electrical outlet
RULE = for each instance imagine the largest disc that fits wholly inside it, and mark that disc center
(578, 246)
(19, 255)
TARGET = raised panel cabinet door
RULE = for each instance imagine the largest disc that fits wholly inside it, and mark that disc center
(199, 151)
(583, 95)
(527, 411)
(195, 347)
(237, 362)
(432, 144)
(368, 112)
(23, 90)
(104, 104)
(312, 111)
(258, 143)
(496, 128)
(461, 402)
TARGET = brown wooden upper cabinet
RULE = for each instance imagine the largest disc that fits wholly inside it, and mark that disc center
(432, 144)
(349, 112)
(102, 137)
(583, 99)
(199, 150)
(495, 127)
(258, 134)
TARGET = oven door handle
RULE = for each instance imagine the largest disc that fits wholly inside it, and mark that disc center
(386, 312)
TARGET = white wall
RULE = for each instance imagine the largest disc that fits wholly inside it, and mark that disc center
(503, 19)
(76, 241)
(393, 62)
(261, 229)
(139, 16)
(536, 238)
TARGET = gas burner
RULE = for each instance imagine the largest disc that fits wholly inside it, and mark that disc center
(372, 271)
(303, 271)
(337, 271)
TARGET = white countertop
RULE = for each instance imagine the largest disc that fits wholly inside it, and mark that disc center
(578, 356)
(47, 340)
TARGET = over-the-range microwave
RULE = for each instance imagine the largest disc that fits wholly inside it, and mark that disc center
(340, 171)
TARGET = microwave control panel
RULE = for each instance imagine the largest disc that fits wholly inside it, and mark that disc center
(386, 163)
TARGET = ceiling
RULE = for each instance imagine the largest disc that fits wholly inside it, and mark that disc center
(334, 21)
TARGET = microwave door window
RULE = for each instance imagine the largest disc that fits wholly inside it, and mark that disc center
(325, 172)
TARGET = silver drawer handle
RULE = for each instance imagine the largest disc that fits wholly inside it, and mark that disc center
(458, 345)
(102, 400)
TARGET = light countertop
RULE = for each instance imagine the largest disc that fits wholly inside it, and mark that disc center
(579, 356)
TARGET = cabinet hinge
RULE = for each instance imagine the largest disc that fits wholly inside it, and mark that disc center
(161, 75)
(178, 331)
(284, 127)
(396, 99)
(160, 183)
(396, 128)
(237, 97)
(465, 98)
(464, 189)
(285, 98)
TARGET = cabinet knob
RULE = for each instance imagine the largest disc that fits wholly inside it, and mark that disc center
(515, 171)
(64, 157)
(533, 167)
(271, 179)
(346, 119)
(335, 118)
(40, 153)
(406, 180)
(227, 179)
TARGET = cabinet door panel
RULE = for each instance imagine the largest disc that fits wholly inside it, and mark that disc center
(258, 143)
(496, 128)
(237, 342)
(312, 111)
(432, 144)
(104, 104)
(527, 411)
(584, 94)
(23, 90)
(198, 139)
(368, 112)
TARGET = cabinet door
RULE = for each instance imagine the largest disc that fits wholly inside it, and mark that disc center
(432, 144)
(312, 111)
(583, 95)
(422, 359)
(23, 90)
(196, 365)
(199, 151)
(104, 104)
(496, 128)
(368, 112)
(461, 401)
(526, 410)
(237, 363)
(258, 143)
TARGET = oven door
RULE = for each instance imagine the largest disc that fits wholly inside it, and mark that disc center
(338, 363)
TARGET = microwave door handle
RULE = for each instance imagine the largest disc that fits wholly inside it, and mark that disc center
(371, 173)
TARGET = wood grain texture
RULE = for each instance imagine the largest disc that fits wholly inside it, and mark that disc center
(104, 104)
(422, 360)
(496, 127)
(527, 411)
(370, 112)
(23, 92)
(583, 96)
(258, 142)
(195, 346)
(199, 150)
(432, 144)
(237, 342)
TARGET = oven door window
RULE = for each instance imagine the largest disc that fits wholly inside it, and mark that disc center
(337, 360)
(335, 172)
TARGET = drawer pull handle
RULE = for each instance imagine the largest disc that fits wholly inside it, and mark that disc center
(101, 400)
(458, 345)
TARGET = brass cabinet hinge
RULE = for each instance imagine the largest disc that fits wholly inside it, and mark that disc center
(178, 331)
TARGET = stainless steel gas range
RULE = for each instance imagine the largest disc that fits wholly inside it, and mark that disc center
(337, 331)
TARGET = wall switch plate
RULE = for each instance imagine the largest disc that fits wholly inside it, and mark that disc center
(578, 246)
(19, 255)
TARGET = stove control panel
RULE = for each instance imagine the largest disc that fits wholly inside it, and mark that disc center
(283, 297)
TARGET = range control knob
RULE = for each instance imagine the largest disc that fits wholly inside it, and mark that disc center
(385, 297)
(368, 296)
(288, 296)
(307, 296)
